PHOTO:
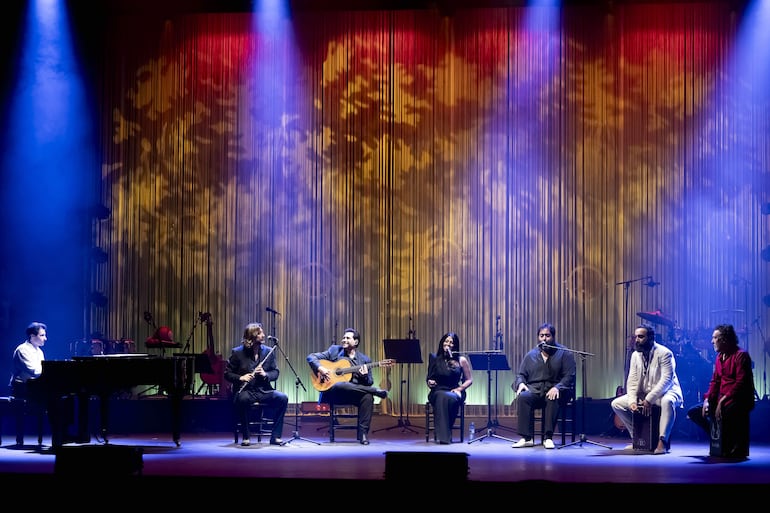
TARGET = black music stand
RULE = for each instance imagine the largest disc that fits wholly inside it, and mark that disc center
(402, 350)
(491, 361)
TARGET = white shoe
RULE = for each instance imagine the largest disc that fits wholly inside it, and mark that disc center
(548, 444)
(629, 447)
(523, 443)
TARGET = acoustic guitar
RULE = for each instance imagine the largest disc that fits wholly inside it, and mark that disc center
(615, 418)
(341, 370)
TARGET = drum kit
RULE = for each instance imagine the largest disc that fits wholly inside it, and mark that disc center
(692, 350)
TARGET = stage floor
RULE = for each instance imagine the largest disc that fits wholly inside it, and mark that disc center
(398, 453)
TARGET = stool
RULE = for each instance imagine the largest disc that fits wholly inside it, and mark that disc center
(458, 425)
(19, 409)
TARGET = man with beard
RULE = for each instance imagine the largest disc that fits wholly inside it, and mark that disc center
(651, 381)
(546, 376)
(251, 369)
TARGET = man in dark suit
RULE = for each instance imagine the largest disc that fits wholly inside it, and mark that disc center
(251, 369)
(359, 390)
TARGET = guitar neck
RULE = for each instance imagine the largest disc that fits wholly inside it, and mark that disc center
(357, 368)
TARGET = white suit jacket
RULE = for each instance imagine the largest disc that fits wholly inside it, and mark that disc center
(657, 380)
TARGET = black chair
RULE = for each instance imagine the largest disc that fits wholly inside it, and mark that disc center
(260, 418)
(260, 422)
(458, 425)
(342, 417)
(565, 424)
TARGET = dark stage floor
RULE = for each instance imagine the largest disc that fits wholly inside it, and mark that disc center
(399, 456)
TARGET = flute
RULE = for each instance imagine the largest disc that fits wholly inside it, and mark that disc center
(254, 372)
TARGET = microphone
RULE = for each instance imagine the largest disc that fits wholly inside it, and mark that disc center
(268, 309)
(270, 337)
(652, 282)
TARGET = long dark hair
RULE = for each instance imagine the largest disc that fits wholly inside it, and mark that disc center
(728, 334)
(455, 343)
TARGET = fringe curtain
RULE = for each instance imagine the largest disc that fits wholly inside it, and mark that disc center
(408, 173)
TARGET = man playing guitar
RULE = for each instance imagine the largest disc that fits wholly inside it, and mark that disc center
(358, 390)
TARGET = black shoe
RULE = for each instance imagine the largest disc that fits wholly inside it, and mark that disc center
(380, 393)
(364, 440)
(277, 441)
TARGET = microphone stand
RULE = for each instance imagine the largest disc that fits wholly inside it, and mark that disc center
(297, 383)
(626, 361)
(189, 337)
(765, 350)
(582, 440)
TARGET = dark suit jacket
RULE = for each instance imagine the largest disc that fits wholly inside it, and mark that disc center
(239, 364)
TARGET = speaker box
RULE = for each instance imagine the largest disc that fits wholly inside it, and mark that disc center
(410, 466)
(105, 460)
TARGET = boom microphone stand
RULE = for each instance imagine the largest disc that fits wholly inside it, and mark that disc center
(297, 383)
(582, 440)
(626, 352)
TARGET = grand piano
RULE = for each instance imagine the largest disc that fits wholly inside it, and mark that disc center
(103, 376)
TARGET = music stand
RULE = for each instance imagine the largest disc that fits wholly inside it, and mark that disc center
(491, 361)
(402, 350)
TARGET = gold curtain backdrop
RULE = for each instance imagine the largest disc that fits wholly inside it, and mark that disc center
(426, 171)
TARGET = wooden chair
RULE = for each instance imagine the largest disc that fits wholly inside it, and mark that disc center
(565, 424)
(342, 417)
(259, 417)
(459, 424)
(260, 422)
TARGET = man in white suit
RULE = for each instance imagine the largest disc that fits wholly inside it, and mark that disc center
(651, 381)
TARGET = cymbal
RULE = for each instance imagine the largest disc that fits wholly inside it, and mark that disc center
(656, 317)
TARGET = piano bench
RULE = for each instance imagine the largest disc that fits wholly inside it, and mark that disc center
(19, 409)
